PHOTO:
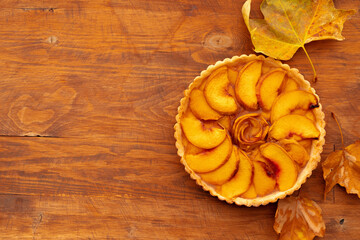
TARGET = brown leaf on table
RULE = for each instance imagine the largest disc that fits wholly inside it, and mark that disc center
(298, 218)
(290, 24)
(343, 167)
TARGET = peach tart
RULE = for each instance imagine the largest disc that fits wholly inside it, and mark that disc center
(250, 130)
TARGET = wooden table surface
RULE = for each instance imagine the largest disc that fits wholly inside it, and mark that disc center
(89, 94)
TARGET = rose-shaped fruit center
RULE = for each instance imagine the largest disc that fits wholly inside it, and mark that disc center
(250, 130)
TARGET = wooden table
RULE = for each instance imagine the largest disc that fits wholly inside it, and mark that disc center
(89, 94)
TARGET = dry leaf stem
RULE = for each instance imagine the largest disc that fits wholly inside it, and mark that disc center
(341, 134)
(312, 65)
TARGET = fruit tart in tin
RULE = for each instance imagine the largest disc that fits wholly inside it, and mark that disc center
(250, 130)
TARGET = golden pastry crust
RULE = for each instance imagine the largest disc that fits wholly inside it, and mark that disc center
(316, 148)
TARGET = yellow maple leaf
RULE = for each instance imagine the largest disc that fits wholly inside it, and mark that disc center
(298, 218)
(289, 24)
(343, 167)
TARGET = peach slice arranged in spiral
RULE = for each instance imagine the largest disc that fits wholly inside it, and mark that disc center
(232, 74)
(285, 169)
(269, 88)
(203, 134)
(207, 160)
(289, 84)
(219, 92)
(307, 113)
(250, 130)
(296, 151)
(241, 182)
(225, 122)
(264, 178)
(287, 102)
(250, 193)
(307, 144)
(200, 108)
(223, 173)
(293, 126)
(245, 86)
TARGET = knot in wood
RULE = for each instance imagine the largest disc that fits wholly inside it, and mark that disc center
(218, 42)
(52, 40)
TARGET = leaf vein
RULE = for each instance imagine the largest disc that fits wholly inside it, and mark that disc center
(292, 27)
(312, 21)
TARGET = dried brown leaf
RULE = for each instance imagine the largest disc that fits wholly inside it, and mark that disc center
(298, 218)
(343, 167)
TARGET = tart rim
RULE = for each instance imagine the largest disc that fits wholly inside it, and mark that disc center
(316, 149)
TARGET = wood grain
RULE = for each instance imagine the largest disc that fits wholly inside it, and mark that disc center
(89, 94)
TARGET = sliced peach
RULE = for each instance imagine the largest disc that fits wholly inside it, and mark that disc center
(200, 108)
(241, 181)
(306, 143)
(203, 134)
(208, 160)
(310, 115)
(265, 69)
(287, 102)
(268, 87)
(264, 178)
(232, 74)
(217, 71)
(203, 84)
(214, 73)
(293, 125)
(296, 151)
(284, 166)
(185, 142)
(191, 149)
(225, 122)
(266, 115)
(249, 130)
(223, 173)
(256, 156)
(250, 193)
(307, 113)
(245, 86)
(290, 85)
(219, 93)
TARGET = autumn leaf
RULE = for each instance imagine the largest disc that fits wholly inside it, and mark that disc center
(289, 24)
(298, 218)
(343, 167)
